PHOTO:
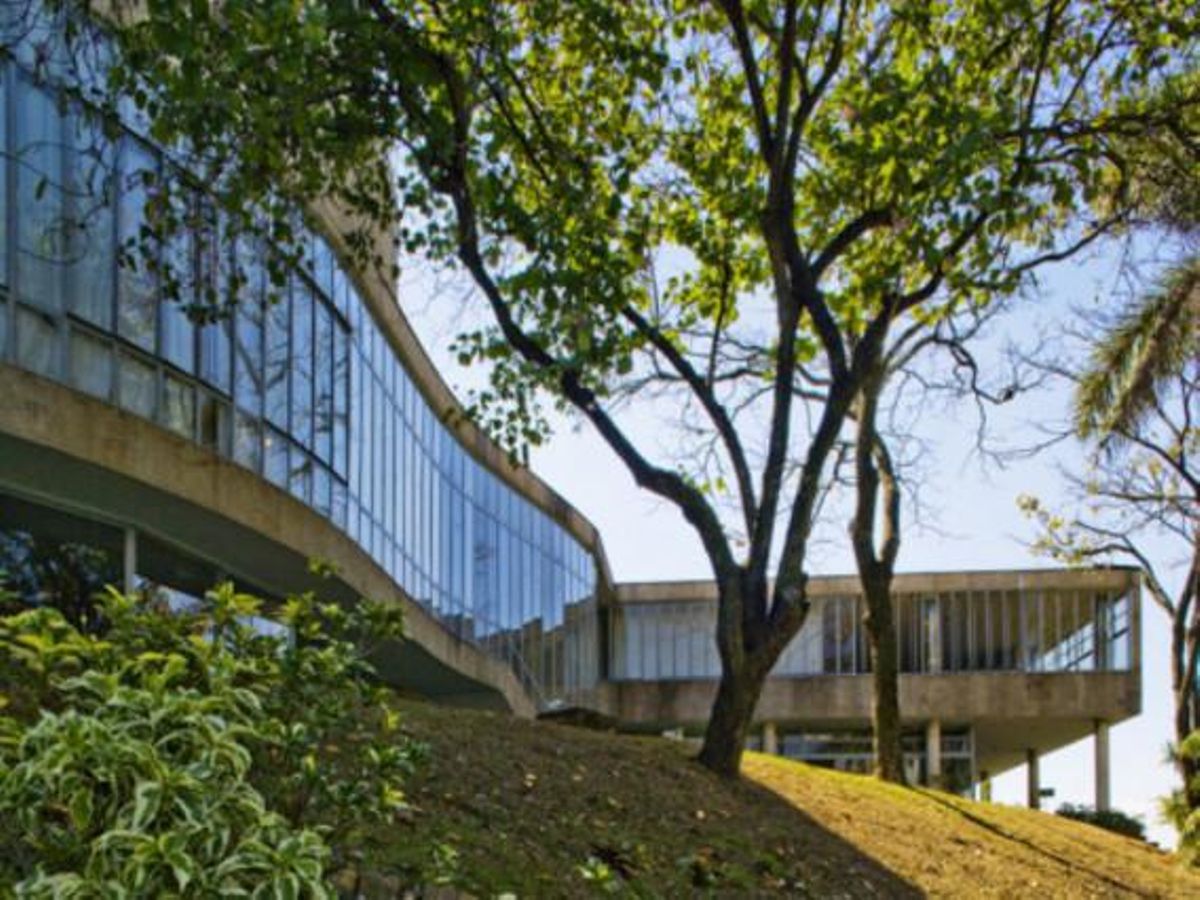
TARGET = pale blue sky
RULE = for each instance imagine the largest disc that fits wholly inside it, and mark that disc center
(971, 508)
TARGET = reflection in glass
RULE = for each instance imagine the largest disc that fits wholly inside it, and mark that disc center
(136, 386)
(215, 361)
(40, 141)
(136, 283)
(277, 349)
(92, 221)
(275, 458)
(178, 336)
(353, 435)
(179, 406)
(214, 422)
(247, 441)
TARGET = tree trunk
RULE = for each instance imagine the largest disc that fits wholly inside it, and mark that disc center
(875, 474)
(885, 710)
(729, 722)
(1185, 720)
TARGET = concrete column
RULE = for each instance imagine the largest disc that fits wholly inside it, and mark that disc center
(933, 753)
(1035, 783)
(985, 786)
(1103, 798)
(770, 738)
(129, 561)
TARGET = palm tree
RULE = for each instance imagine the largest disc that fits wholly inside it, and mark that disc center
(1139, 400)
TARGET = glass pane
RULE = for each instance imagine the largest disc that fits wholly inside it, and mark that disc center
(91, 365)
(214, 355)
(323, 268)
(323, 382)
(302, 364)
(179, 407)
(136, 283)
(322, 483)
(135, 386)
(93, 222)
(36, 342)
(300, 474)
(178, 336)
(247, 441)
(341, 398)
(41, 227)
(248, 335)
(275, 459)
(214, 422)
(277, 344)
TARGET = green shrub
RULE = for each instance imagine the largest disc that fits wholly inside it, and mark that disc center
(190, 754)
(1177, 810)
(144, 790)
(1108, 819)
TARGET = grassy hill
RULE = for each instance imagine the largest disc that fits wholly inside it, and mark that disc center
(542, 810)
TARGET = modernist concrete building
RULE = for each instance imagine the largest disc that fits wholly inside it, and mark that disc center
(315, 427)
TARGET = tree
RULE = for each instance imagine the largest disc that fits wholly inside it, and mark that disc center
(876, 522)
(1138, 402)
(803, 176)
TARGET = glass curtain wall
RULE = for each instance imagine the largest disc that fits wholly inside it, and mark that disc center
(301, 387)
(964, 631)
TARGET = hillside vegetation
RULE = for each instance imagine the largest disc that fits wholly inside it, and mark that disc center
(536, 810)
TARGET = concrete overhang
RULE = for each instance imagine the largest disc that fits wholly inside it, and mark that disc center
(75, 453)
(1011, 711)
(1115, 578)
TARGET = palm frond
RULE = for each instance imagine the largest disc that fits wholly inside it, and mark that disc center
(1150, 342)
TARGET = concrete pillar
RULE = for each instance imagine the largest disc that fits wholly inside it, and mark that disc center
(985, 786)
(129, 561)
(770, 738)
(933, 753)
(1103, 799)
(1035, 783)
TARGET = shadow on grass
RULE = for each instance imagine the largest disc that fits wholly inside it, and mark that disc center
(535, 808)
(1000, 832)
(856, 873)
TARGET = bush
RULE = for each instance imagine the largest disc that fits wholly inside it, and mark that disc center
(189, 754)
(1110, 820)
(1176, 808)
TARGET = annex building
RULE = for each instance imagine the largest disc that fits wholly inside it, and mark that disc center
(316, 427)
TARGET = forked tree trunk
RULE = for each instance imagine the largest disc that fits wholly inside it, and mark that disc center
(885, 709)
(876, 474)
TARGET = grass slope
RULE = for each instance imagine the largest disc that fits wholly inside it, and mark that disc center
(534, 809)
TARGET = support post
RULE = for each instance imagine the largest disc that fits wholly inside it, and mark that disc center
(1035, 783)
(129, 561)
(933, 753)
(770, 738)
(985, 786)
(1103, 797)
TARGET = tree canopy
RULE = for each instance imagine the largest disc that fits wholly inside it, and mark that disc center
(732, 201)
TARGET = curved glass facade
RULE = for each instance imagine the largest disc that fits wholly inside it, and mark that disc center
(306, 391)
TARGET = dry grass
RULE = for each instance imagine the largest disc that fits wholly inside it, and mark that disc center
(533, 809)
(948, 846)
